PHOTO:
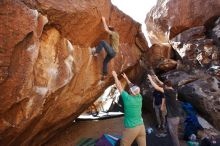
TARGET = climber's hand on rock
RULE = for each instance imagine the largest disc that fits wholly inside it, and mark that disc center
(114, 74)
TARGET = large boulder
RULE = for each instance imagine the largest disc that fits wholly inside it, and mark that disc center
(47, 74)
(159, 57)
(198, 50)
(191, 27)
(194, 47)
(200, 89)
(170, 17)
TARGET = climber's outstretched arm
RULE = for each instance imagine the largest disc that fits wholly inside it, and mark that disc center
(106, 26)
(117, 82)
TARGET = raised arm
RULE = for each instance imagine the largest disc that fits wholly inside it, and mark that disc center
(127, 80)
(106, 26)
(117, 82)
(157, 79)
(158, 88)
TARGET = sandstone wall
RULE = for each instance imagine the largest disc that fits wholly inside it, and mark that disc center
(170, 17)
(47, 75)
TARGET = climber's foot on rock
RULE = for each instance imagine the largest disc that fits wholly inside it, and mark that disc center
(103, 77)
(93, 52)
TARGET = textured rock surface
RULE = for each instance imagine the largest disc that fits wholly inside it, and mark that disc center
(191, 27)
(167, 65)
(196, 49)
(170, 17)
(47, 75)
(201, 90)
(159, 56)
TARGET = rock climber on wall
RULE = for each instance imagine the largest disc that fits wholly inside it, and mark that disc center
(110, 49)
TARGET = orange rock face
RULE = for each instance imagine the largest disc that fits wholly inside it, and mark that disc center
(158, 52)
(170, 17)
(159, 56)
(47, 75)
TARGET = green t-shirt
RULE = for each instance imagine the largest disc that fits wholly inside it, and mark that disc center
(132, 110)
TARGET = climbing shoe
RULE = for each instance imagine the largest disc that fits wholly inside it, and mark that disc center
(103, 77)
(93, 51)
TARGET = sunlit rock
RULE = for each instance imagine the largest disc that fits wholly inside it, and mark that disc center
(170, 17)
(47, 74)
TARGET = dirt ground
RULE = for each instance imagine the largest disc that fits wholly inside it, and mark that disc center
(93, 129)
(87, 129)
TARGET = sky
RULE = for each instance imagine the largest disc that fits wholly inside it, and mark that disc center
(137, 9)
